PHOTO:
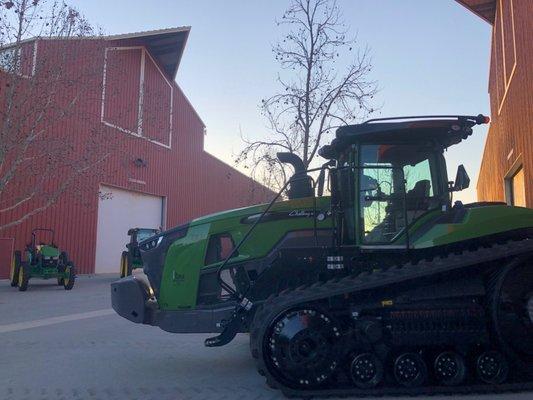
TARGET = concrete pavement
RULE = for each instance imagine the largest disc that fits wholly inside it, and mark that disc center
(56, 344)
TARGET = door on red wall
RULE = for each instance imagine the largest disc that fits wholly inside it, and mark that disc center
(119, 211)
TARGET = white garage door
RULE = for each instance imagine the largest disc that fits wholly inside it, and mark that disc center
(117, 213)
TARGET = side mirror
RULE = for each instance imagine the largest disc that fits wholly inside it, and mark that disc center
(462, 180)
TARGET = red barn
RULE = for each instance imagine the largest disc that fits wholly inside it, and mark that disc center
(155, 172)
(506, 172)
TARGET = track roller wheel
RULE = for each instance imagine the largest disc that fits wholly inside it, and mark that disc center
(410, 370)
(301, 347)
(366, 370)
(450, 368)
(492, 367)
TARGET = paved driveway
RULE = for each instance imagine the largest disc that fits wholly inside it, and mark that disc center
(69, 345)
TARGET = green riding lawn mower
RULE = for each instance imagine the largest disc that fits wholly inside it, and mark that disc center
(385, 286)
(131, 258)
(42, 260)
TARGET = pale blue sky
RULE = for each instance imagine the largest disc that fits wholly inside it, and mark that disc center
(429, 56)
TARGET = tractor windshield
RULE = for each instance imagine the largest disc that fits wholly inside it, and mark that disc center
(144, 234)
(397, 183)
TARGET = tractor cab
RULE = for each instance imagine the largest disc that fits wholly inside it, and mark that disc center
(137, 235)
(390, 174)
(131, 258)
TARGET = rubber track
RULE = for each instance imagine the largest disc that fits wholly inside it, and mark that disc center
(372, 280)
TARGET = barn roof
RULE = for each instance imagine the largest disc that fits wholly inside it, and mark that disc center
(485, 9)
(165, 45)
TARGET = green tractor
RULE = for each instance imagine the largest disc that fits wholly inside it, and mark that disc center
(131, 258)
(42, 260)
(386, 286)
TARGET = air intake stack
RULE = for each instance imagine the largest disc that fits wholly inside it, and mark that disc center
(300, 183)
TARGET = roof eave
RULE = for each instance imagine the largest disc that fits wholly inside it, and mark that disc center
(474, 11)
(184, 30)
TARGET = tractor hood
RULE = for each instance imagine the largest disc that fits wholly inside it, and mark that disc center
(247, 215)
(188, 243)
(229, 214)
(48, 251)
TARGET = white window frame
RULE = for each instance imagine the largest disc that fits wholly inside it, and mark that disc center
(18, 50)
(139, 132)
(517, 165)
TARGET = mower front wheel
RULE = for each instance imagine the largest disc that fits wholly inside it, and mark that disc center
(24, 277)
(68, 281)
(15, 267)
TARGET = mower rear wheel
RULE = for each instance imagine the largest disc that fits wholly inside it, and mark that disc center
(124, 265)
(15, 267)
(63, 261)
(68, 282)
(24, 277)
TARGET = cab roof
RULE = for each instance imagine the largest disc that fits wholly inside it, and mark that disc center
(441, 130)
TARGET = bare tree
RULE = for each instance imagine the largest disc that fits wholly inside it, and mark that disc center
(37, 95)
(317, 92)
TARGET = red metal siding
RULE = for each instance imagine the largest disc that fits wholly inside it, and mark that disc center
(6, 252)
(192, 181)
(510, 137)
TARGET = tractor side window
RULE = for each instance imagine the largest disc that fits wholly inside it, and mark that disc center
(418, 178)
(219, 248)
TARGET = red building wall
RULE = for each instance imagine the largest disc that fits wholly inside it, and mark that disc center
(509, 144)
(176, 167)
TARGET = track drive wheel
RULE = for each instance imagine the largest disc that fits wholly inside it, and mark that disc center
(298, 346)
(68, 282)
(24, 277)
(15, 267)
(511, 306)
